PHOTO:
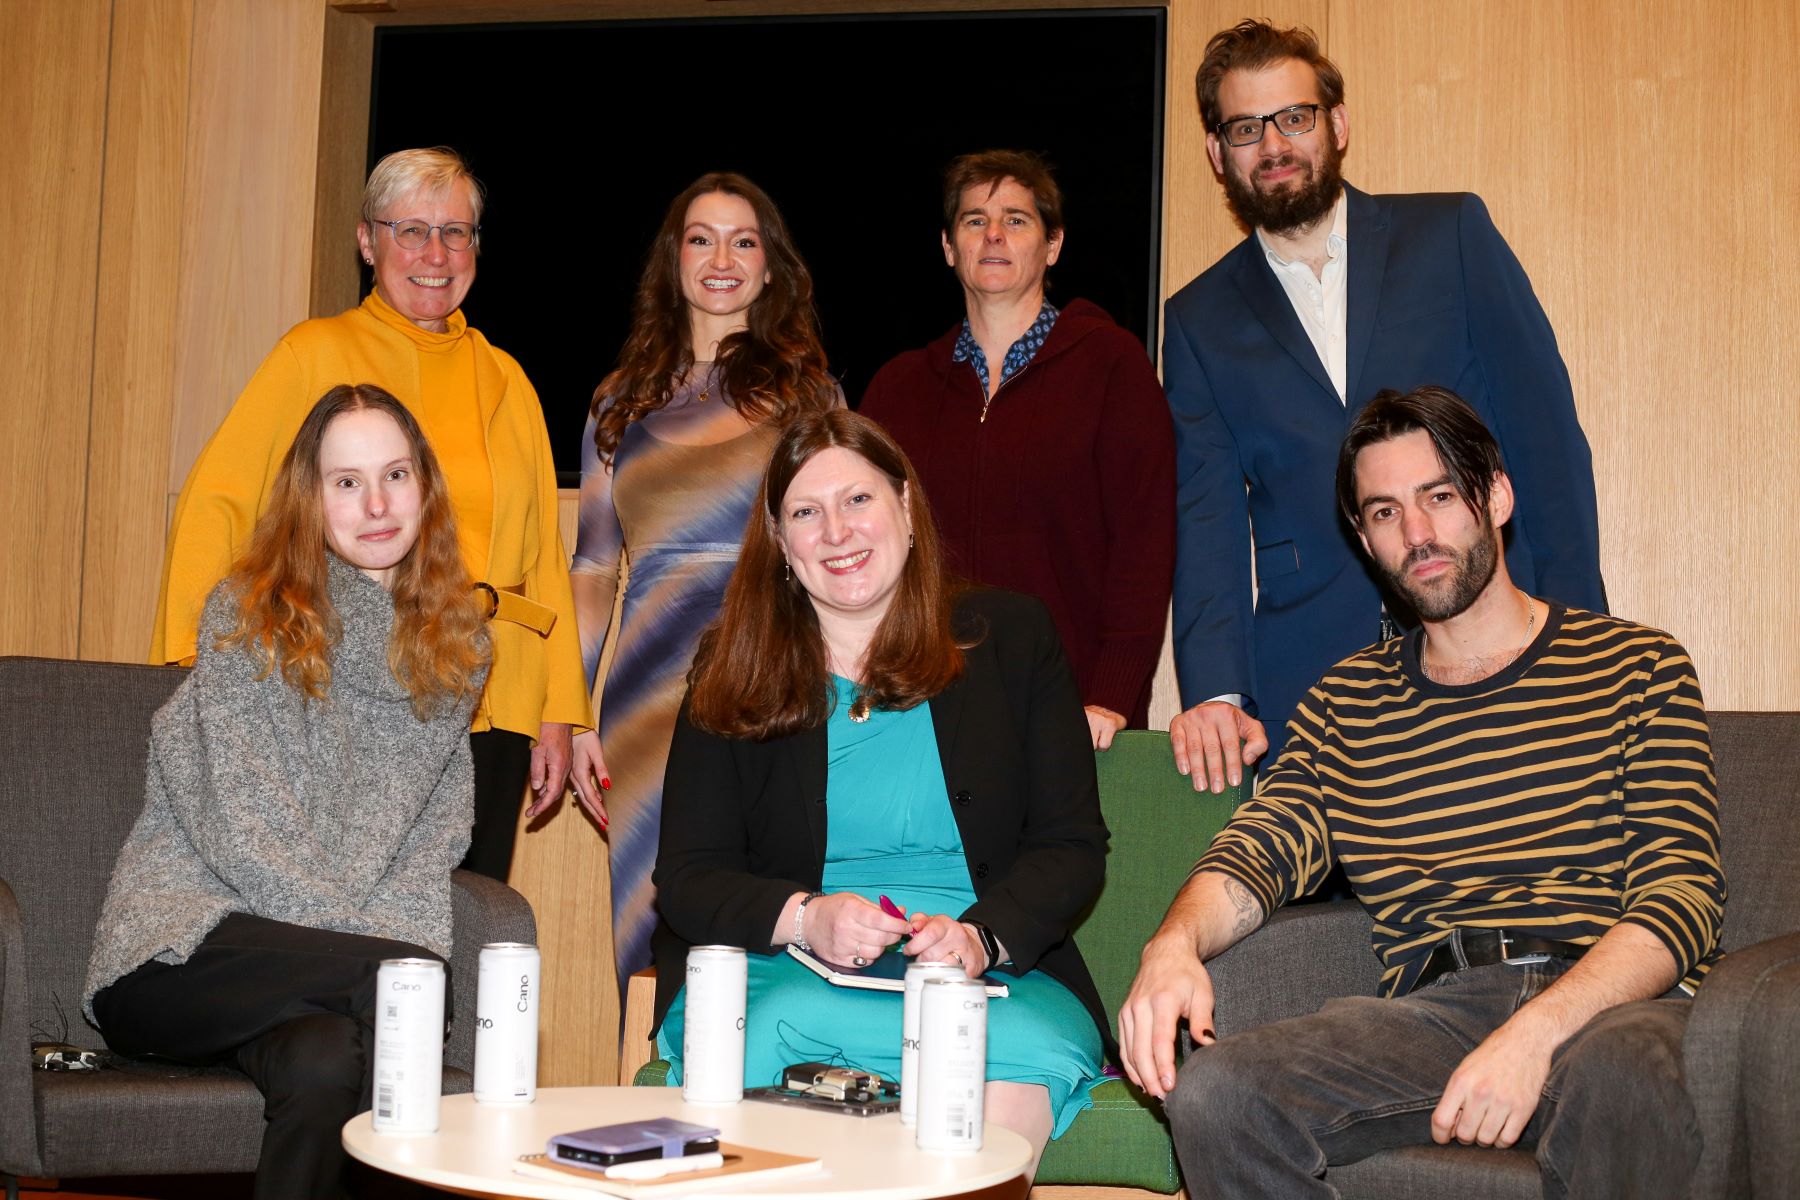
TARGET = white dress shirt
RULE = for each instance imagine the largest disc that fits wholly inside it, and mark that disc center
(1320, 303)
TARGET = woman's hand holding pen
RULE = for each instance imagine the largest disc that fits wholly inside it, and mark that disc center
(943, 938)
(843, 927)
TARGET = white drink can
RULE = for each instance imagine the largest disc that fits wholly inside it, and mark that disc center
(506, 1024)
(712, 1038)
(916, 975)
(952, 1064)
(409, 1044)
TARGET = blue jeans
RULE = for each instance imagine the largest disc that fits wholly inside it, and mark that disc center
(1268, 1111)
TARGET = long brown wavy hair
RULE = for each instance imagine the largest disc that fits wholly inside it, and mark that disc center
(770, 370)
(761, 670)
(284, 611)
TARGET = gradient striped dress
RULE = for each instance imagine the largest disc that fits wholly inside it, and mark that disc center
(1568, 792)
(674, 507)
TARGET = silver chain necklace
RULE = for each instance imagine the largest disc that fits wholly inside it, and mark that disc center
(1530, 624)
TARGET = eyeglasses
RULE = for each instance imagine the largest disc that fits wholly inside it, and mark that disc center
(412, 233)
(1289, 122)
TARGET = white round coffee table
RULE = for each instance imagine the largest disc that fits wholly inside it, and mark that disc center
(475, 1146)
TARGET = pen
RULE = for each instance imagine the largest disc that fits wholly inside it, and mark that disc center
(656, 1168)
(891, 909)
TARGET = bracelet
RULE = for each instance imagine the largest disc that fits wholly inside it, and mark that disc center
(799, 938)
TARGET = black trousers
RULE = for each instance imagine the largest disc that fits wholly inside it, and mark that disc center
(502, 769)
(293, 1008)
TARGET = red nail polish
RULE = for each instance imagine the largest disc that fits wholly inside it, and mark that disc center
(606, 783)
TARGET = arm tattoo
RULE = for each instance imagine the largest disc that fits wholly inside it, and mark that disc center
(1245, 904)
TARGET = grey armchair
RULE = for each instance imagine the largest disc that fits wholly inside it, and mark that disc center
(73, 737)
(1742, 1048)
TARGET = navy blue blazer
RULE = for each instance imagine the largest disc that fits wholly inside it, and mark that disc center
(1435, 297)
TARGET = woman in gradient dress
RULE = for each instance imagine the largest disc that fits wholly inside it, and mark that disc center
(724, 349)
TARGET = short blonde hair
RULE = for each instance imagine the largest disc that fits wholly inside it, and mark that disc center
(404, 172)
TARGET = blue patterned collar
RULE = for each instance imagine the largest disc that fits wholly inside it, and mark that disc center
(1017, 358)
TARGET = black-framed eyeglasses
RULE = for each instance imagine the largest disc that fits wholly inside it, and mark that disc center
(413, 233)
(1289, 122)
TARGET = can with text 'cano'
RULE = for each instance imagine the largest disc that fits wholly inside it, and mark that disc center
(916, 975)
(409, 1044)
(506, 1024)
(712, 1039)
(952, 1064)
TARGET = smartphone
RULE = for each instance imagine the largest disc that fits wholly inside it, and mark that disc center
(631, 1141)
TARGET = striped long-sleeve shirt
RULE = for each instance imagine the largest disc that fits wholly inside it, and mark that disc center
(1568, 792)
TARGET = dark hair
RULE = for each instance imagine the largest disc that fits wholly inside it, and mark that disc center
(761, 670)
(1470, 455)
(285, 616)
(771, 369)
(992, 167)
(1252, 45)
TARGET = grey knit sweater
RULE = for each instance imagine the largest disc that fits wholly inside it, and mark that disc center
(347, 814)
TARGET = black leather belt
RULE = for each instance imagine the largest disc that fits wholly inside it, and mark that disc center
(1485, 947)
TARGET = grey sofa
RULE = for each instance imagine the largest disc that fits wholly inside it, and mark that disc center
(1742, 1048)
(72, 743)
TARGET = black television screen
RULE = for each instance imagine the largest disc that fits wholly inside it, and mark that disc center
(584, 132)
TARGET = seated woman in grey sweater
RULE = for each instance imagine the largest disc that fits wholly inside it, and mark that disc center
(309, 789)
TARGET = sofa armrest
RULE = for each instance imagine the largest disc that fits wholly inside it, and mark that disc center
(1742, 1058)
(1302, 957)
(484, 911)
(19, 1153)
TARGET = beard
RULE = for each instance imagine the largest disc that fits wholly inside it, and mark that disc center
(1451, 593)
(1288, 208)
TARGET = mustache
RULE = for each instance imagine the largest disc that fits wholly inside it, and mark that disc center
(1287, 159)
(1427, 552)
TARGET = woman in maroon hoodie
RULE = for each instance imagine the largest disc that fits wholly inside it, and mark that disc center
(1043, 438)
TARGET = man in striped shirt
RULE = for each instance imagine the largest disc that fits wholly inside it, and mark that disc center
(1522, 796)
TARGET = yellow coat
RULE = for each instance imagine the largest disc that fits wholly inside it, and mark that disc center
(485, 425)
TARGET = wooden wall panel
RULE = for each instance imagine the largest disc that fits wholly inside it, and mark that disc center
(344, 102)
(560, 865)
(53, 112)
(134, 343)
(1636, 158)
(247, 205)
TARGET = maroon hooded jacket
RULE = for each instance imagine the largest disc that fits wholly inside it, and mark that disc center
(1066, 491)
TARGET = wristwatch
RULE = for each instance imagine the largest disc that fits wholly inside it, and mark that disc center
(990, 945)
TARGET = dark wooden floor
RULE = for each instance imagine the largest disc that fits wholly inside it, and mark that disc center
(149, 1187)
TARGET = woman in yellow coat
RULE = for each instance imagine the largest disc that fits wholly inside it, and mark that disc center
(420, 232)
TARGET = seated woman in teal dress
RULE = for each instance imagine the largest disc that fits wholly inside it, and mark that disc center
(858, 726)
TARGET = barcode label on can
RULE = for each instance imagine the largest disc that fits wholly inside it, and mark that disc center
(384, 1103)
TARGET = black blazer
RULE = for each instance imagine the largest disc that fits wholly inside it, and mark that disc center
(743, 823)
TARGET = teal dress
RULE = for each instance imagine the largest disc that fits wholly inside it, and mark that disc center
(890, 832)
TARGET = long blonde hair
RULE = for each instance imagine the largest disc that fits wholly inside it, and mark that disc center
(284, 612)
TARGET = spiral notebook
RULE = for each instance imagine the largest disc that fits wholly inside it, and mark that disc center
(885, 974)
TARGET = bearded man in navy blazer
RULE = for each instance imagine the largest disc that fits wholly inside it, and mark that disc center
(1271, 353)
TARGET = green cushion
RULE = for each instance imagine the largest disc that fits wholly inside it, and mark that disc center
(1159, 825)
(1123, 1141)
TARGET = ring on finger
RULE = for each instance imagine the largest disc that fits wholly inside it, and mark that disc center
(957, 957)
